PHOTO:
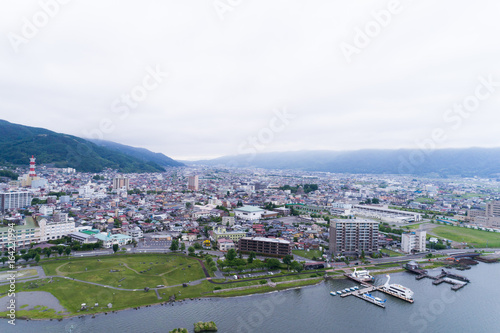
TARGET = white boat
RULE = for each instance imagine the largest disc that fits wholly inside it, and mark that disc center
(374, 299)
(339, 292)
(333, 293)
(398, 289)
(362, 275)
(352, 289)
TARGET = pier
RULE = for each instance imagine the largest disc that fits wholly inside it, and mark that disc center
(457, 281)
(369, 288)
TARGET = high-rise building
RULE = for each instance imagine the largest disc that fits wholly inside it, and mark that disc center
(413, 241)
(9, 200)
(353, 237)
(120, 183)
(493, 208)
(193, 183)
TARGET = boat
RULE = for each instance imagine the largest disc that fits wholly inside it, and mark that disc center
(361, 275)
(333, 293)
(374, 299)
(339, 292)
(397, 289)
(352, 289)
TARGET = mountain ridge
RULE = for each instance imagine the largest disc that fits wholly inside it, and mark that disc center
(19, 142)
(473, 161)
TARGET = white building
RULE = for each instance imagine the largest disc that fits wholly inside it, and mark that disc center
(9, 200)
(225, 244)
(413, 241)
(136, 233)
(228, 220)
(386, 214)
(57, 228)
(249, 212)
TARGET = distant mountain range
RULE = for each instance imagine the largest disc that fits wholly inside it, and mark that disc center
(18, 143)
(140, 153)
(441, 162)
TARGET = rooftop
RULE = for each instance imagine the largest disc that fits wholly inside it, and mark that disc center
(250, 209)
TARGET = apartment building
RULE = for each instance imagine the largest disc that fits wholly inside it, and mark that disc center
(413, 241)
(267, 246)
(353, 236)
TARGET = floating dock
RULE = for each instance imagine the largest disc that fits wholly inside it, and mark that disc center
(460, 281)
(370, 300)
(369, 288)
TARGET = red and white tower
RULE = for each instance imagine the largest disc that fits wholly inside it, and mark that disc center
(32, 167)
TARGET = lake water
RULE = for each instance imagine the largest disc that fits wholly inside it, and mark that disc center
(474, 308)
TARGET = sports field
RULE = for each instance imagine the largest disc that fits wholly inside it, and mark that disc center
(478, 238)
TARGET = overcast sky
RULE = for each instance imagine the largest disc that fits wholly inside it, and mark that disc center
(347, 78)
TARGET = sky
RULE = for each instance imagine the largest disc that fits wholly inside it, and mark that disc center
(207, 78)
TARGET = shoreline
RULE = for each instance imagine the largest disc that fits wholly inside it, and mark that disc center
(166, 303)
(211, 296)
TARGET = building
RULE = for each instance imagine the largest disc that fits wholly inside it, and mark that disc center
(135, 232)
(268, 246)
(228, 220)
(386, 214)
(120, 183)
(24, 234)
(108, 240)
(493, 208)
(249, 212)
(488, 221)
(85, 236)
(11, 200)
(413, 241)
(233, 235)
(225, 244)
(353, 236)
(193, 183)
(56, 228)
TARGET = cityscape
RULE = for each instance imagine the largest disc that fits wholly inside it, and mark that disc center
(249, 166)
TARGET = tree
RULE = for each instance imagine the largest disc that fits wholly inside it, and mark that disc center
(191, 250)
(183, 246)
(37, 258)
(287, 260)
(272, 263)
(60, 250)
(231, 255)
(251, 257)
(362, 254)
(197, 246)
(174, 246)
(26, 257)
(47, 252)
(68, 250)
(115, 248)
(4, 259)
(296, 266)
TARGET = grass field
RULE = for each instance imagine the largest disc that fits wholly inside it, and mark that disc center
(391, 253)
(129, 272)
(478, 238)
(159, 269)
(308, 254)
(415, 226)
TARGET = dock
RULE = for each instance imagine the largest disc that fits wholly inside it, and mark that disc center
(369, 288)
(370, 300)
(448, 277)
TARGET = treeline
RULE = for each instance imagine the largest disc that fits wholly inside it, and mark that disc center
(9, 174)
(307, 188)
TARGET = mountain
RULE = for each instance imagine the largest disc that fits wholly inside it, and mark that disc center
(140, 153)
(18, 143)
(442, 162)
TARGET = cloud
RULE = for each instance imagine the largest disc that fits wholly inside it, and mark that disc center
(227, 76)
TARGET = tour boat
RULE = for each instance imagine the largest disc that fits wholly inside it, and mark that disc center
(398, 289)
(362, 275)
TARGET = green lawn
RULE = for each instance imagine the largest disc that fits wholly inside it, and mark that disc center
(129, 271)
(478, 238)
(72, 294)
(391, 253)
(414, 226)
(308, 254)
